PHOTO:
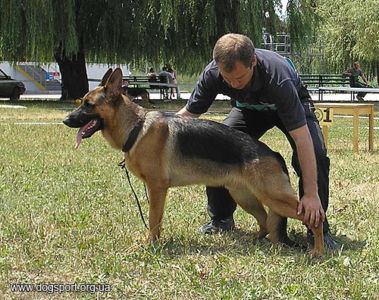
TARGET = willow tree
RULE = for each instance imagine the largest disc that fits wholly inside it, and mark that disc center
(302, 22)
(349, 32)
(122, 31)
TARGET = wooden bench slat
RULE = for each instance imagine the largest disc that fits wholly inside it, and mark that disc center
(317, 80)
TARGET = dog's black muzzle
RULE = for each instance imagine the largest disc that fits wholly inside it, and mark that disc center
(79, 118)
(88, 123)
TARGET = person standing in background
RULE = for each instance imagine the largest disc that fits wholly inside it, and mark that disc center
(173, 79)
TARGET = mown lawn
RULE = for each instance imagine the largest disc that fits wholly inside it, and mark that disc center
(68, 216)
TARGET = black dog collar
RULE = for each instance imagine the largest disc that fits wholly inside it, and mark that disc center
(132, 136)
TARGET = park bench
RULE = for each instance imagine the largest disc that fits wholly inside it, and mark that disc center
(332, 83)
(156, 83)
(314, 81)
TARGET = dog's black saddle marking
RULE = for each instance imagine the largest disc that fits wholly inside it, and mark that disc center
(132, 136)
(217, 142)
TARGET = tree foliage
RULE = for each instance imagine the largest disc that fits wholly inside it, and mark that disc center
(182, 32)
(127, 31)
(349, 31)
(302, 22)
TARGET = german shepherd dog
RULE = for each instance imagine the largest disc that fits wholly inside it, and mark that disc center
(168, 150)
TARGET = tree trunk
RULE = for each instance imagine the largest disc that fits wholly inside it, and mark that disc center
(377, 73)
(74, 74)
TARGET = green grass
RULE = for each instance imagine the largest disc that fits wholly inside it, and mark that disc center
(68, 216)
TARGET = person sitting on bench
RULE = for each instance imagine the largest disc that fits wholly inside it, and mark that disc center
(354, 73)
(165, 77)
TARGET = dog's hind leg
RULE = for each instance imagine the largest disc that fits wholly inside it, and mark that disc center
(274, 190)
(277, 227)
(318, 235)
(249, 203)
(285, 205)
(157, 199)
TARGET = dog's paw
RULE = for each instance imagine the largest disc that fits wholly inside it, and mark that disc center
(315, 253)
(260, 234)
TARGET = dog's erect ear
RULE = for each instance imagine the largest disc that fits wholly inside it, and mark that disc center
(105, 77)
(114, 83)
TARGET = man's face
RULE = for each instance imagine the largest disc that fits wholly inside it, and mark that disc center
(240, 77)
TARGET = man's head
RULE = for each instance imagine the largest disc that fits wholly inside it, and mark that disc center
(235, 57)
(356, 65)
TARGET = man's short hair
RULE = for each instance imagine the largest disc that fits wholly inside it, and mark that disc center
(233, 47)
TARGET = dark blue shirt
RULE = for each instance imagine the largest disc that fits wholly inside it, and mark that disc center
(275, 86)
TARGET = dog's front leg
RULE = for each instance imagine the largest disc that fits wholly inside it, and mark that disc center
(157, 198)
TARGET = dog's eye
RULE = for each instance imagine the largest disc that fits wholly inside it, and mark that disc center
(88, 104)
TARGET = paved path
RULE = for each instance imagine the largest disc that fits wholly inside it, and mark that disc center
(327, 97)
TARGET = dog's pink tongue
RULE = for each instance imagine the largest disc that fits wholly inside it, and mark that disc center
(82, 131)
(80, 134)
(79, 137)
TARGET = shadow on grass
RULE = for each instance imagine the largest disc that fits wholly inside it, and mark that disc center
(243, 243)
(238, 241)
(349, 244)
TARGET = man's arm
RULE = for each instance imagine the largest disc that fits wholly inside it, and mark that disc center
(347, 73)
(310, 203)
(364, 79)
(185, 113)
(204, 93)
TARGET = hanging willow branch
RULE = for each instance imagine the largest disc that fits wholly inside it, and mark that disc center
(182, 32)
(302, 22)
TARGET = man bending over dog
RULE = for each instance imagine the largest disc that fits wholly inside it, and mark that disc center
(265, 91)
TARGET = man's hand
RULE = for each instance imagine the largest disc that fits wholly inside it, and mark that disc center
(185, 113)
(313, 211)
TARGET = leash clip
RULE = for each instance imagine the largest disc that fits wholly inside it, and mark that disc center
(121, 164)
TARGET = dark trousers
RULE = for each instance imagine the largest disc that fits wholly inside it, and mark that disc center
(256, 123)
(361, 85)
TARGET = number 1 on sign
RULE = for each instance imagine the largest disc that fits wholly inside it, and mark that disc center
(324, 116)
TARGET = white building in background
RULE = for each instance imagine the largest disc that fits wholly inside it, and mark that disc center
(46, 78)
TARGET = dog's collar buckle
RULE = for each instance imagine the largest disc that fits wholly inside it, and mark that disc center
(132, 136)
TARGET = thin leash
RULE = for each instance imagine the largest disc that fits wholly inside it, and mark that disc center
(123, 166)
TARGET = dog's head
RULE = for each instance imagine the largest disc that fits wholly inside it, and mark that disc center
(91, 116)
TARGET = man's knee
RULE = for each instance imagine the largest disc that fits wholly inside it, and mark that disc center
(234, 119)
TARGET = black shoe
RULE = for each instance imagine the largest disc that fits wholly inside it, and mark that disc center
(216, 226)
(360, 98)
(329, 242)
